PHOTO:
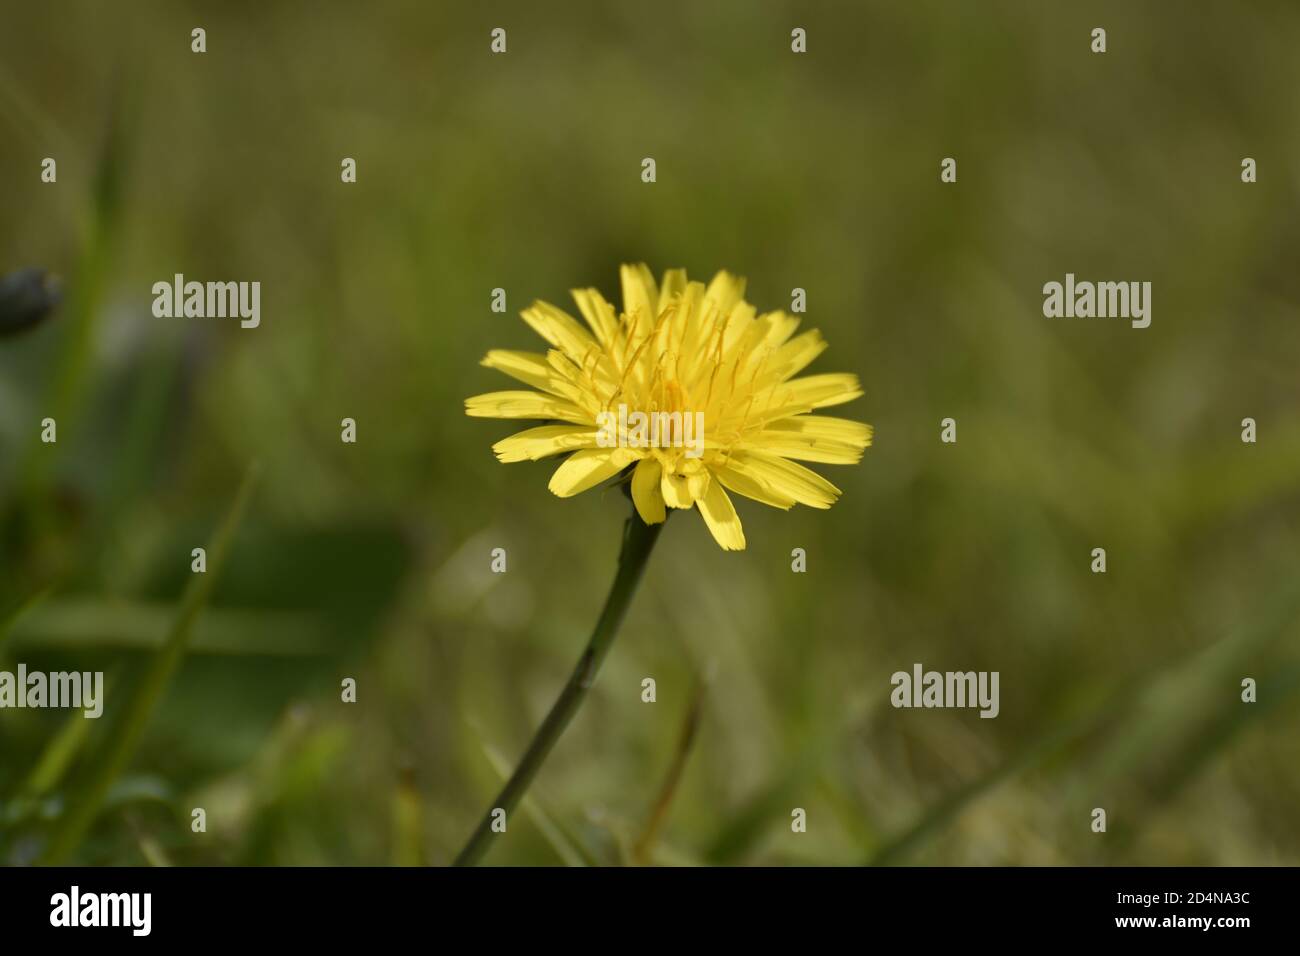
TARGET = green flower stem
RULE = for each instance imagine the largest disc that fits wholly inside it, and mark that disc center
(638, 541)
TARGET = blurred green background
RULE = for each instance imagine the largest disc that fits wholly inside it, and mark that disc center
(522, 171)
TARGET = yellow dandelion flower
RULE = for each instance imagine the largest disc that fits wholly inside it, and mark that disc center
(689, 390)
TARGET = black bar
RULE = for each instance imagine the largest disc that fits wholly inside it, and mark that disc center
(336, 905)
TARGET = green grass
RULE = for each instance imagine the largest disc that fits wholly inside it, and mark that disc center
(371, 560)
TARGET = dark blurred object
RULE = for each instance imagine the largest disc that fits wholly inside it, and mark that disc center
(26, 298)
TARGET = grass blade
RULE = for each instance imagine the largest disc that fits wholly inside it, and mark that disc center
(60, 752)
(7, 623)
(147, 696)
(567, 848)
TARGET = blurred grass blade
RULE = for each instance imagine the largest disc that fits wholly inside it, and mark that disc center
(61, 751)
(1156, 714)
(1283, 686)
(408, 822)
(150, 692)
(642, 850)
(1171, 718)
(567, 848)
(27, 116)
(7, 623)
(748, 826)
(150, 848)
(939, 816)
(85, 289)
(81, 624)
(750, 823)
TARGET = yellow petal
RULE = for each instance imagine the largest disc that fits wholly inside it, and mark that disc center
(543, 441)
(676, 491)
(801, 439)
(786, 479)
(599, 314)
(525, 405)
(697, 479)
(724, 292)
(820, 438)
(588, 468)
(796, 355)
(691, 329)
(673, 284)
(646, 495)
(830, 389)
(737, 328)
(640, 296)
(744, 483)
(779, 327)
(560, 329)
(531, 369)
(720, 515)
(805, 394)
(825, 426)
(809, 449)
